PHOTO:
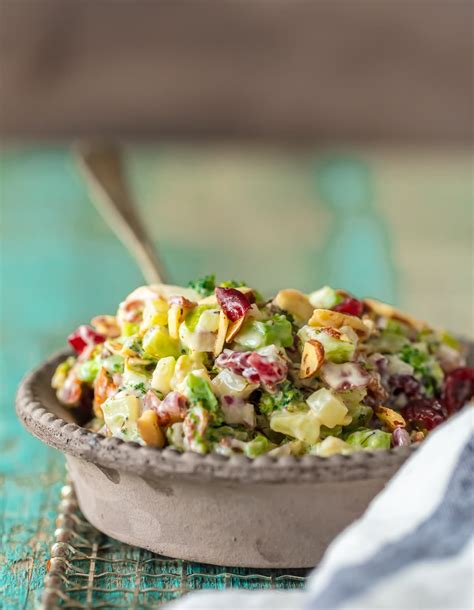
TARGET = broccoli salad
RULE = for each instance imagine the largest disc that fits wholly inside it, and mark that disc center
(218, 368)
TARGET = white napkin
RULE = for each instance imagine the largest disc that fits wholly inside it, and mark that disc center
(413, 548)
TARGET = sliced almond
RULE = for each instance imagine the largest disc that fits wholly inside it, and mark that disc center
(334, 319)
(233, 329)
(221, 333)
(294, 302)
(175, 317)
(149, 429)
(388, 311)
(106, 325)
(210, 300)
(311, 359)
(392, 419)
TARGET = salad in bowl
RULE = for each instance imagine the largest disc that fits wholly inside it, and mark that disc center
(218, 368)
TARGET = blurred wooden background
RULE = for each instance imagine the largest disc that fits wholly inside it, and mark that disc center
(291, 70)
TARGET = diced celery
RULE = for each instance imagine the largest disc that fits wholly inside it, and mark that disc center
(369, 439)
(256, 334)
(450, 341)
(302, 425)
(257, 446)
(251, 336)
(199, 391)
(328, 407)
(129, 328)
(335, 350)
(61, 373)
(88, 370)
(193, 316)
(361, 416)
(324, 298)
(114, 364)
(331, 445)
(158, 344)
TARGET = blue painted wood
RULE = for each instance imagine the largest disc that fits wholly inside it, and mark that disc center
(280, 222)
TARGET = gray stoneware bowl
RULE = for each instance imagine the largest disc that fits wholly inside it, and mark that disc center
(231, 511)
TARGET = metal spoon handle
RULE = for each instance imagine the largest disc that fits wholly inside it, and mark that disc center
(103, 170)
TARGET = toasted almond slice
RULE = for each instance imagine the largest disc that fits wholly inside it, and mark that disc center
(390, 418)
(106, 325)
(149, 429)
(311, 359)
(294, 302)
(388, 311)
(335, 319)
(175, 317)
(233, 329)
(210, 300)
(221, 333)
(113, 346)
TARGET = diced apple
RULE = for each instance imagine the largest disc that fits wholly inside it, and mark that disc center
(328, 407)
(302, 425)
(162, 375)
(121, 414)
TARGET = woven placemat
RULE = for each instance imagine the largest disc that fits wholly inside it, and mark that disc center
(90, 570)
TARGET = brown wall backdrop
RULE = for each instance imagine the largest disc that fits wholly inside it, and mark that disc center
(286, 70)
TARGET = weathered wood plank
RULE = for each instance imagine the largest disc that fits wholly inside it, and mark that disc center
(289, 70)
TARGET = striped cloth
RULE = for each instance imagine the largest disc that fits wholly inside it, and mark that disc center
(413, 548)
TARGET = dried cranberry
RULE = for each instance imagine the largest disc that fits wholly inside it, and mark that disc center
(71, 391)
(404, 384)
(424, 413)
(256, 368)
(83, 336)
(233, 303)
(172, 409)
(458, 388)
(350, 306)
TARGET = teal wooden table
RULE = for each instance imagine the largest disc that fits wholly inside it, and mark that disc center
(271, 218)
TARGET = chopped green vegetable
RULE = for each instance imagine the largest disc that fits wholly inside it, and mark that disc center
(88, 370)
(114, 364)
(259, 445)
(425, 365)
(157, 343)
(129, 329)
(256, 334)
(286, 395)
(205, 285)
(199, 392)
(232, 284)
(369, 439)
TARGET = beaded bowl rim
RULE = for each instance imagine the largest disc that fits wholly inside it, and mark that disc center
(43, 416)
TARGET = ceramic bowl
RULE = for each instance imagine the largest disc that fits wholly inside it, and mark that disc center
(231, 511)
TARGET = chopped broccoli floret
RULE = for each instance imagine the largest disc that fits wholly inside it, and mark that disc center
(286, 395)
(204, 285)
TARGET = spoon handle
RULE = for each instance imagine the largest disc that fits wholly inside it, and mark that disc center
(103, 170)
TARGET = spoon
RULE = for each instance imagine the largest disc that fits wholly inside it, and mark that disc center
(102, 167)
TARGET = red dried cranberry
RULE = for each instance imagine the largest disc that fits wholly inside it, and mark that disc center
(256, 368)
(350, 306)
(172, 409)
(424, 413)
(233, 303)
(458, 388)
(83, 336)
